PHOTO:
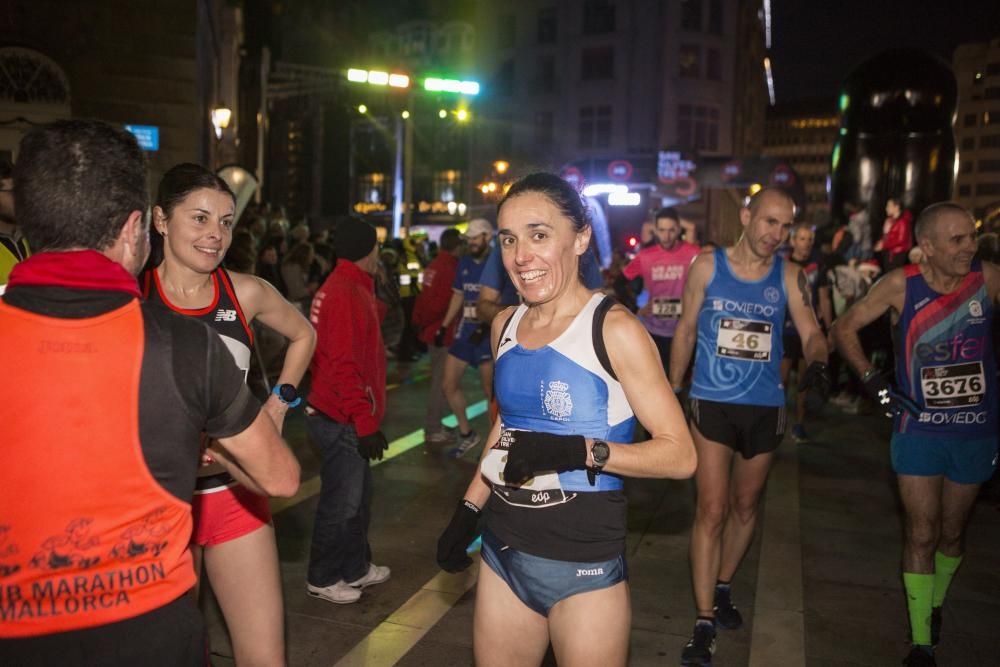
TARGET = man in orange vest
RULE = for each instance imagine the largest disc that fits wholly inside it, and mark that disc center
(102, 437)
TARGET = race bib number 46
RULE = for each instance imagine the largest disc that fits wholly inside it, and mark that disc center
(744, 339)
(667, 308)
(958, 385)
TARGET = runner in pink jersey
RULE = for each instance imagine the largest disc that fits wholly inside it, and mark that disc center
(663, 268)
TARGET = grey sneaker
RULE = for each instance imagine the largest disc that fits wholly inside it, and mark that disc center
(444, 435)
(376, 575)
(465, 443)
(339, 593)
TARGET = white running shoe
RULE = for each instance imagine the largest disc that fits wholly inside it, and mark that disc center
(339, 593)
(376, 575)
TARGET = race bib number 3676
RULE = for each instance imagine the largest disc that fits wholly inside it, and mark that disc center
(953, 386)
(744, 339)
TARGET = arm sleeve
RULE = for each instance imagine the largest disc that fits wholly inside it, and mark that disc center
(342, 320)
(633, 269)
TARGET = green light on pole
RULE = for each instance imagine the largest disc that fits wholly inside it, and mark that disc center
(451, 86)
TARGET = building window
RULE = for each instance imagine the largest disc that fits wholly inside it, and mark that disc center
(969, 120)
(507, 31)
(989, 141)
(447, 185)
(687, 61)
(968, 143)
(964, 191)
(595, 127)
(988, 165)
(992, 93)
(547, 25)
(545, 74)
(691, 14)
(597, 62)
(698, 127)
(990, 189)
(967, 166)
(715, 17)
(993, 69)
(713, 65)
(544, 129)
(505, 78)
(991, 117)
(598, 17)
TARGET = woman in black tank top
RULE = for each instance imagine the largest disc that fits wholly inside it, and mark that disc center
(194, 218)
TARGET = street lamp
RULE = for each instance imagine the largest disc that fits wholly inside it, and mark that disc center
(501, 166)
(221, 115)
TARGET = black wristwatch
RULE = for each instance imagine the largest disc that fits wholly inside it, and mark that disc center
(600, 452)
(287, 394)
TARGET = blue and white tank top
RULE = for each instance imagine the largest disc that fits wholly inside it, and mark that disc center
(562, 388)
(944, 357)
(739, 348)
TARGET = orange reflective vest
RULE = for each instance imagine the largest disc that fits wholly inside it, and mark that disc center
(87, 535)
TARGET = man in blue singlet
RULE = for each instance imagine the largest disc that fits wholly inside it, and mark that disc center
(733, 310)
(943, 398)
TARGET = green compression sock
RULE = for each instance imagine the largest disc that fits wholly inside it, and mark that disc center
(944, 570)
(919, 592)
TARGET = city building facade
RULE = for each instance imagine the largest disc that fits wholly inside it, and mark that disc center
(977, 127)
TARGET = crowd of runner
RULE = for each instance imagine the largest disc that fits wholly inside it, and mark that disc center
(687, 373)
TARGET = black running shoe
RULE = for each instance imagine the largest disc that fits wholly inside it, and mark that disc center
(935, 626)
(698, 652)
(726, 614)
(918, 657)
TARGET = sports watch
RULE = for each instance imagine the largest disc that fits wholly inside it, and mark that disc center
(287, 394)
(600, 452)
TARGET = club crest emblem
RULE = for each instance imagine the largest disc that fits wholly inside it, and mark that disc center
(975, 309)
(772, 295)
(558, 402)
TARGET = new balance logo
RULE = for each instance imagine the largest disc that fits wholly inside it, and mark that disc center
(590, 573)
(225, 315)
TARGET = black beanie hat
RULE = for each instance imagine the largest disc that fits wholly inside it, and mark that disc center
(353, 239)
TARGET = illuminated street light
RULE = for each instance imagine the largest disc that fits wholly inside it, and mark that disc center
(462, 115)
(362, 109)
(220, 119)
(357, 75)
(405, 114)
(442, 113)
(377, 78)
(436, 85)
(501, 166)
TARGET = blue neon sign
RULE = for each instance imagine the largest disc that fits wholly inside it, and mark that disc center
(148, 136)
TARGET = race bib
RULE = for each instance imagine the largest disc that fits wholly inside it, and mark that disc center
(541, 491)
(957, 385)
(666, 308)
(469, 312)
(744, 339)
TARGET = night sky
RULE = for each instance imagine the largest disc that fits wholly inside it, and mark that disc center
(816, 43)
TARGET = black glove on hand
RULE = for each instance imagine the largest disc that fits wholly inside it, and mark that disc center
(455, 539)
(889, 399)
(372, 445)
(532, 452)
(477, 336)
(816, 381)
(439, 337)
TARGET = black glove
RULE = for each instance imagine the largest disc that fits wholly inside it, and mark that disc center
(888, 397)
(457, 537)
(439, 337)
(532, 452)
(817, 382)
(372, 445)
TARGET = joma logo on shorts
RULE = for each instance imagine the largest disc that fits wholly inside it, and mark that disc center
(590, 573)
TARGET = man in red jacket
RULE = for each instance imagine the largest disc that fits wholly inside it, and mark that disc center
(897, 235)
(344, 415)
(428, 315)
